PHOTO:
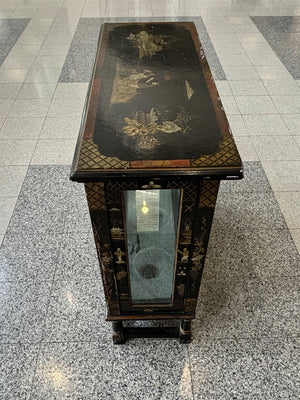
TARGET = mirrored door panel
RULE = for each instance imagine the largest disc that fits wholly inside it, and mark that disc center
(152, 219)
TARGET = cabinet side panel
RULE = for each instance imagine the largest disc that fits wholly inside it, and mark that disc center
(98, 211)
(203, 222)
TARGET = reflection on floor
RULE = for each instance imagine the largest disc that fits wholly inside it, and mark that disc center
(283, 34)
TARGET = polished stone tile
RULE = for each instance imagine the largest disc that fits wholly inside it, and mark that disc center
(296, 237)
(18, 363)
(292, 121)
(265, 125)
(66, 107)
(228, 48)
(21, 128)
(229, 105)
(10, 31)
(250, 210)
(5, 106)
(77, 312)
(43, 75)
(228, 369)
(23, 308)
(255, 105)
(281, 87)
(283, 175)
(276, 305)
(33, 29)
(254, 180)
(240, 73)
(31, 258)
(23, 61)
(281, 34)
(287, 104)
(282, 359)
(63, 29)
(16, 152)
(224, 307)
(54, 50)
(261, 55)
(247, 88)
(9, 90)
(28, 39)
(70, 90)
(210, 52)
(267, 72)
(221, 37)
(29, 108)
(289, 203)
(54, 152)
(37, 90)
(60, 128)
(11, 180)
(77, 257)
(74, 371)
(223, 88)
(78, 218)
(272, 253)
(48, 61)
(246, 149)
(226, 255)
(81, 57)
(24, 12)
(7, 205)
(276, 148)
(13, 75)
(160, 369)
(237, 125)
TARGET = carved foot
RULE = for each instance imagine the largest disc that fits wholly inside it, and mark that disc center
(185, 333)
(118, 332)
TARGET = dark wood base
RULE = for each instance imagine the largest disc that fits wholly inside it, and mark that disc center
(185, 332)
(121, 334)
(118, 332)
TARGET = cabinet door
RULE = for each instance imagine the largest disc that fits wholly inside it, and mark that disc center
(151, 236)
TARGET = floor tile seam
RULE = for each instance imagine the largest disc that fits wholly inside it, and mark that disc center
(100, 341)
(281, 118)
(17, 197)
(42, 334)
(251, 337)
(269, 156)
(51, 99)
(273, 53)
(84, 5)
(28, 70)
(191, 371)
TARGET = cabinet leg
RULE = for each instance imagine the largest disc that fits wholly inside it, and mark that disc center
(185, 333)
(118, 332)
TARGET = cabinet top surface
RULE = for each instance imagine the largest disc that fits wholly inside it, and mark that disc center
(153, 108)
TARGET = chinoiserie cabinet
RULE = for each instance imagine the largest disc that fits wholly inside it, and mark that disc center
(153, 147)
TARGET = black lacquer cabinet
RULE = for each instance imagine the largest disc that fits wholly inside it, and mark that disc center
(153, 147)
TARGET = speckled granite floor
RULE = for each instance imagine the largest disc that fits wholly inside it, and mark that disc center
(54, 341)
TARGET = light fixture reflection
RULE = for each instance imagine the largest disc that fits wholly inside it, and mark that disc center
(70, 298)
(59, 380)
(145, 209)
